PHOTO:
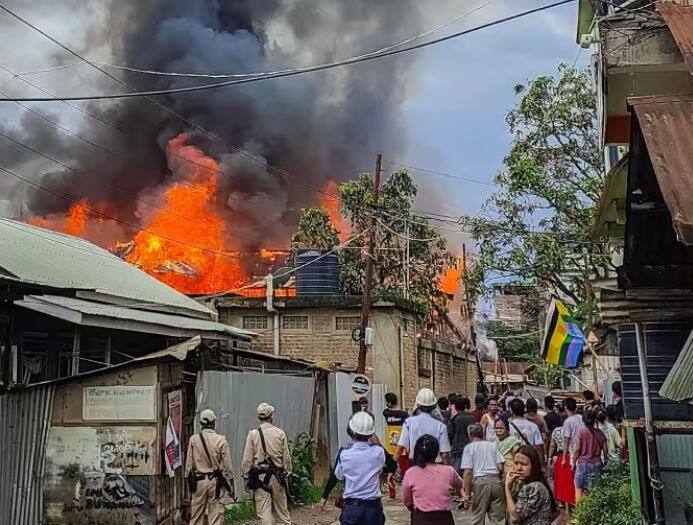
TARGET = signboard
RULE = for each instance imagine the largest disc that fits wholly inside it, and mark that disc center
(360, 385)
(119, 403)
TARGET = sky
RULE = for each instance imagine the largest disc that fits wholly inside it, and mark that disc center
(456, 116)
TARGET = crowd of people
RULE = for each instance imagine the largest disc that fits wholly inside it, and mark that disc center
(501, 459)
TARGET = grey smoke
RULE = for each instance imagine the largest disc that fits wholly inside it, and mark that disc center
(320, 126)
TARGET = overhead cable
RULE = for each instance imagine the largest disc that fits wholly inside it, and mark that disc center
(442, 174)
(116, 188)
(170, 111)
(275, 72)
(216, 85)
(120, 221)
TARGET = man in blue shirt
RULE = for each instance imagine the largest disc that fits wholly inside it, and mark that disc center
(423, 423)
(360, 467)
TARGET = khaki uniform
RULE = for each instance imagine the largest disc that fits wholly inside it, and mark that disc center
(278, 450)
(204, 501)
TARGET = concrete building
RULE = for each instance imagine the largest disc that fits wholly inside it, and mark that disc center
(405, 356)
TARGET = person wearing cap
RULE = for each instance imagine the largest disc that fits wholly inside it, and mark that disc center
(360, 467)
(421, 424)
(271, 497)
(208, 468)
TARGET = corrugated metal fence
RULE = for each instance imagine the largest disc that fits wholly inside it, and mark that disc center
(24, 423)
(234, 397)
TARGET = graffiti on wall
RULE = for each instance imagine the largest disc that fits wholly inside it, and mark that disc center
(100, 475)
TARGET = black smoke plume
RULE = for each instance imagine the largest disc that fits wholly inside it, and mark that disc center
(319, 126)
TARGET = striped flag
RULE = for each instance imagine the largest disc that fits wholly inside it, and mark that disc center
(563, 339)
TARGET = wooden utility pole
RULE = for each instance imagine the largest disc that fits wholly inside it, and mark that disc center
(368, 284)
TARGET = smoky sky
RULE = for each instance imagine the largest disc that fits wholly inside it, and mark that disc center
(318, 126)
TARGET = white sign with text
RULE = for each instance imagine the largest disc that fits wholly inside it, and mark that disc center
(119, 403)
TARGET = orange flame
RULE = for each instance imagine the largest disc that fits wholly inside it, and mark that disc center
(273, 255)
(183, 246)
(331, 206)
(450, 281)
(73, 223)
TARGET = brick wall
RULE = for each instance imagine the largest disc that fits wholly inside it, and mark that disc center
(323, 343)
(450, 369)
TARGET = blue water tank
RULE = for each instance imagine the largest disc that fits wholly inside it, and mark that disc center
(317, 274)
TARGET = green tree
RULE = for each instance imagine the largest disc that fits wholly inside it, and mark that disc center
(523, 345)
(537, 224)
(395, 222)
(396, 225)
(315, 230)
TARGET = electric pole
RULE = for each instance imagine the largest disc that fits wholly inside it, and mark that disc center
(368, 283)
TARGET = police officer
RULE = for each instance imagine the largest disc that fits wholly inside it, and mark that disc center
(423, 423)
(208, 465)
(360, 467)
(275, 452)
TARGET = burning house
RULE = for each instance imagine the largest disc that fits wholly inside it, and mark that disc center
(193, 189)
(70, 307)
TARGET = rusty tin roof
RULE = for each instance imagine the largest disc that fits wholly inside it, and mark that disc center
(666, 123)
(680, 21)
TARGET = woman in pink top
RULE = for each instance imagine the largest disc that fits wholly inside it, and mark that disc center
(428, 487)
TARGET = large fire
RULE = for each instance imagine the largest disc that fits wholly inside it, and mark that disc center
(330, 203)
(183, 245)
(73, 223)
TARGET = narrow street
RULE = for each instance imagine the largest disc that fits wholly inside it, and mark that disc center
(397, 514)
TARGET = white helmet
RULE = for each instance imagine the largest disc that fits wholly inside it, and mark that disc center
(207, 416)
(362, 423)
(426, 398)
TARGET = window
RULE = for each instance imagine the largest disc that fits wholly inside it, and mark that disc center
(255, 322)
(347, 323)
(295, 322)
(425, 362)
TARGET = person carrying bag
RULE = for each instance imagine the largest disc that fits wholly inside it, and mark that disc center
(208, 470)
(266, 466)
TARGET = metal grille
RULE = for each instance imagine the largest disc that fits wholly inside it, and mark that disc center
(347, 323)
(255, 322)
(295, 322)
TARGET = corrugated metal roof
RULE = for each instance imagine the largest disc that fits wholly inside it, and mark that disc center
(25, 418)
(666, 123)
(88, 313)
(680, 21)
(679, 383)
(38, 256)
(611, 212)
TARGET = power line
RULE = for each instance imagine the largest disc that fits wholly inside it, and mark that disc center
(170, 111)
(217, 85)
(120, 221)
(448, 175)
(265, 73)
(74, 106)
(125, 192)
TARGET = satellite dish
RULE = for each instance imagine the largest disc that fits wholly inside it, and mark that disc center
(283, 274)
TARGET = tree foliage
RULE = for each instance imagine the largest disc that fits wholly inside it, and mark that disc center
(537, 224)
(523, 344)
(610, 501)
(315, 230)
(395, 221)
